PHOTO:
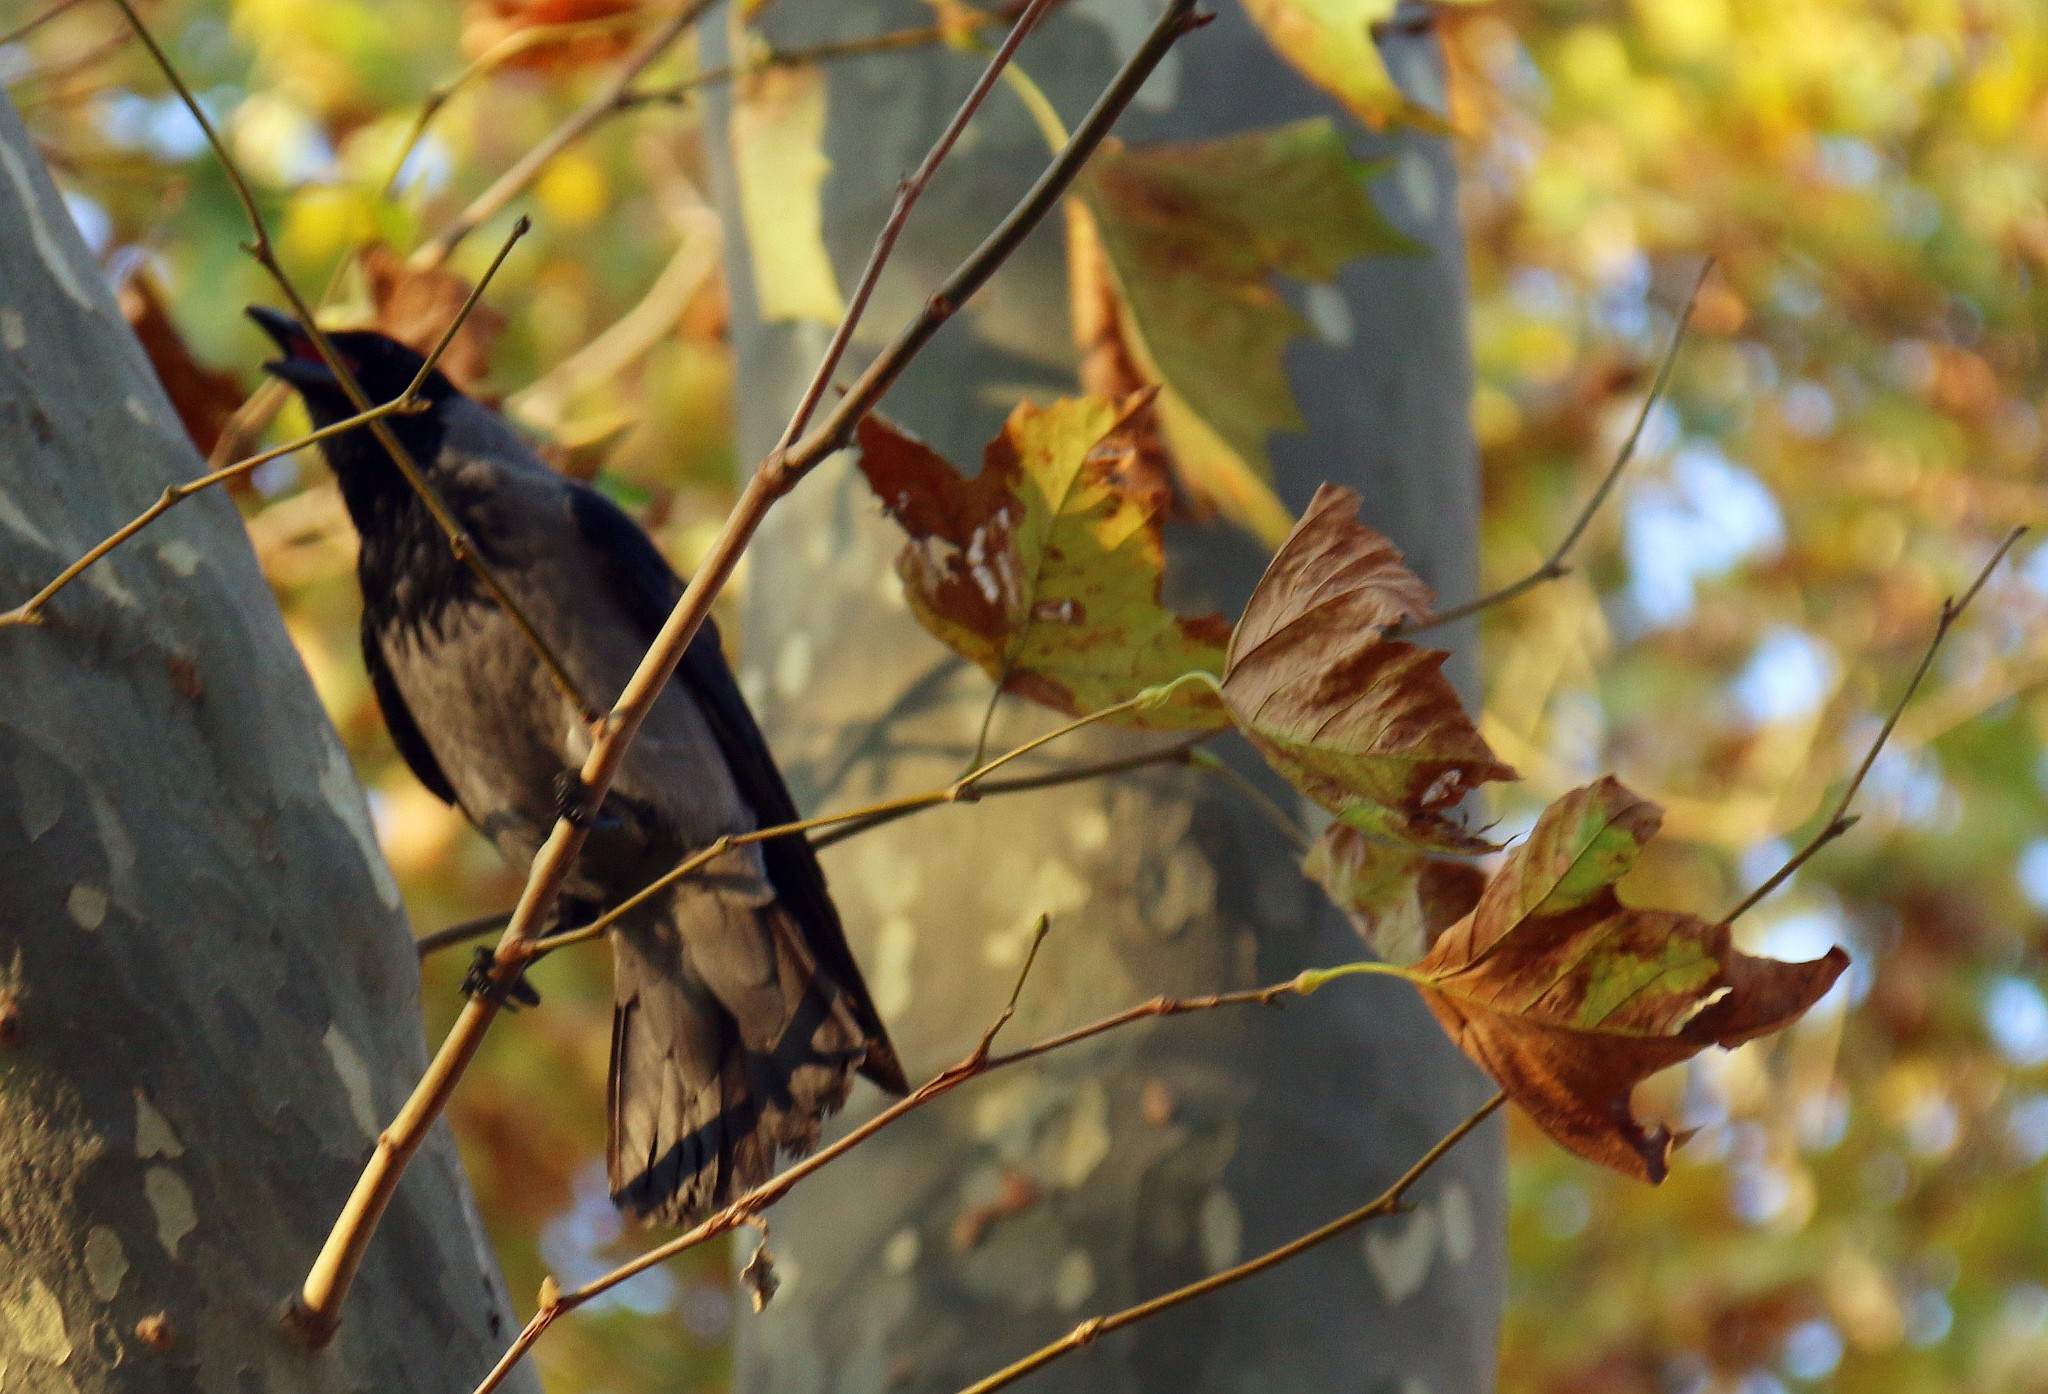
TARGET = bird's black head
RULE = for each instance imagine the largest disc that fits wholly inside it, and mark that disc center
(406, 565)
(382, 367)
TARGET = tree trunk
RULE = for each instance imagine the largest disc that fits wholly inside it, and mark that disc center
(1103, 1176)
(208, 996)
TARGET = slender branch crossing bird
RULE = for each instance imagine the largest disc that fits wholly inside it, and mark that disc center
(740, 1016)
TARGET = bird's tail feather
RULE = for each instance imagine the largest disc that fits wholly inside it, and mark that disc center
(729, 1049)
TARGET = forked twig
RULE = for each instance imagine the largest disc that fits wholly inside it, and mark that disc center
(839, 827)
(599, 105)
(1554, 565)
(1841, 820)
(317, 1310)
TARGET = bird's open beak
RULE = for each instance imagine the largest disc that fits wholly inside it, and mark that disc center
(301, 365)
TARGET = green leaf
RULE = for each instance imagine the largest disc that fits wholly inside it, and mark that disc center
(1331, 43)
(1175, 257)
(1044, 569)
(1399, 898)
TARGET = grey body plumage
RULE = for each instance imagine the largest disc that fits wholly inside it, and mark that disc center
(740, 1016)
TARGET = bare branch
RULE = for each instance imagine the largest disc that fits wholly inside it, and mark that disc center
(317, 1310)
(1841, 820)
(1554, 566)
(892, 41)
(1386, 1203)
(511, 46)
(29, 26)
(554, 1303)
(30, 611)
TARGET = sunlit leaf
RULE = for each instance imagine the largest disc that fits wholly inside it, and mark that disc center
(1044, 569)
(1400, 899)
(1569, 998)
(1331, 43)
(1174, 256)
(778, 132)
(1367, 727)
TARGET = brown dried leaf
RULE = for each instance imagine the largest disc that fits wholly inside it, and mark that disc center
(1367, 727)
(1569, 998)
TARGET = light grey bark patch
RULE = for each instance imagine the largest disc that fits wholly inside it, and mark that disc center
(172, 1130)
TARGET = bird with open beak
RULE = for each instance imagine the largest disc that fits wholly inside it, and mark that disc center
(740, 1016)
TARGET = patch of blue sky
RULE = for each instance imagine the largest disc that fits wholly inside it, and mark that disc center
(2016, 1018)
(1702, 518)
(1790, 675)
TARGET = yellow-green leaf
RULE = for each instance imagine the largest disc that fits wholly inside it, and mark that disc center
(1044, 569)
(778, 131)
(1183, 243)
(1331, 43)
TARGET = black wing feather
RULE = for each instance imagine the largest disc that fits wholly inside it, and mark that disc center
(649, 588)
(405, 732)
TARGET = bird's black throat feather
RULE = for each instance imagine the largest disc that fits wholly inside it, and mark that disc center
(410, 573)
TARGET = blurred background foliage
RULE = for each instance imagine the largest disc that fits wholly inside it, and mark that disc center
(1856, 419)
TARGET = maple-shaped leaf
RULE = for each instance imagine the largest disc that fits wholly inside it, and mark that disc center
(1399, 898)
(1368, 727)
(1174, 249)
(1044, 569)
(1570, 998)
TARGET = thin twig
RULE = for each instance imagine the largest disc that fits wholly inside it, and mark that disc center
(1386, 1203)
(555, 1303)
(966, 789)
(1554, 566)
(30, 611)
(28, 27)
(1841, 820)
(595, 108)
(260, 249)
(892, 41)
(316, 1312)
(858, 821)
(1281, 820)
(907, 194)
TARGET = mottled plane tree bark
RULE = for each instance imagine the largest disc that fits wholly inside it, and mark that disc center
(980, 1229)
(209, 999)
